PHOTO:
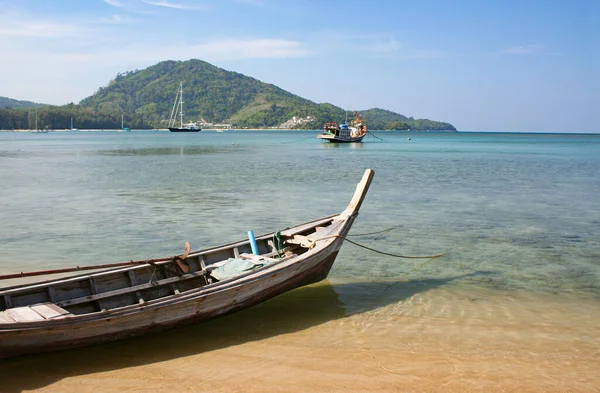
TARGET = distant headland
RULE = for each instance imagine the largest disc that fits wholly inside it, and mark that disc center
(214, 99)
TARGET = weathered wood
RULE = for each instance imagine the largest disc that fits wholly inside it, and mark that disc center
(359, 194)
(93, 286)
(80, 268)
(51, 294)
(301, 240)
(24, 314)
(133, 283)
(73, 279)
(305, 227)
(123, 291)
(49, 310)
(7, 301)
(5, 318)
(255, 257)
(266, 258)
(170, 301)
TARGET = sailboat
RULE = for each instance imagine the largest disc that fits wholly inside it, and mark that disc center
(190, 127)
(124, 128)
(73, 129)
(37, 130)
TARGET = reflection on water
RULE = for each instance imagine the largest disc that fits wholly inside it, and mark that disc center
(166, 151)
(330, 145)
(522, 206)
(292, 312)
(407, 326)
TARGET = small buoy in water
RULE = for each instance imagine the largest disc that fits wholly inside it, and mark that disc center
(408, 139)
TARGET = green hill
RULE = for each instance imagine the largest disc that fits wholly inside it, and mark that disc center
(6, 102)
(210, 93)
(213, 95)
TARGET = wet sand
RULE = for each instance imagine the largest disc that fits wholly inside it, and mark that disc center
(409, 339)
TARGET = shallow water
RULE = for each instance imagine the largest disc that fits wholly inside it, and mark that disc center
(520, 213)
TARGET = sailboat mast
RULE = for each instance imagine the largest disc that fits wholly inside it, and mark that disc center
(181, 103)
(36, 119)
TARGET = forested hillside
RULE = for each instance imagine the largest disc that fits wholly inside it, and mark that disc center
(209, 92)
(6, 102)
(212, 95)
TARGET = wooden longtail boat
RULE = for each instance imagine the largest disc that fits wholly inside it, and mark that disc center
(153, 295)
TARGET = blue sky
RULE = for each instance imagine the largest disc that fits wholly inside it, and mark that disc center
(481, 65)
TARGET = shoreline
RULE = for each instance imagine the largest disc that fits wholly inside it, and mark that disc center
(443, 339)
(226, 130)
(159, 130)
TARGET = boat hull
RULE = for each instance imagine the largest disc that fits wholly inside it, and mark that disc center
(152, 295)
(173, 129)
(185, 309)
(340, 139)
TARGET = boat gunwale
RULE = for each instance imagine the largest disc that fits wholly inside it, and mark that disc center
(40, 284)
(329, 244)
(189, 295)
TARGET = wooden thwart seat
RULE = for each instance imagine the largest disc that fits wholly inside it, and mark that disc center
(123, 291)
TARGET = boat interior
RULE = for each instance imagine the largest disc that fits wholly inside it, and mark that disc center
(145, 281)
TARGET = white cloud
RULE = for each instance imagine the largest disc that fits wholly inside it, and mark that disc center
(164, 3)
(39, 29)
(72, 75)
(233, 49)
(530, 49)
(524, 49)
(219, 50)
(116, 19)
(15, 24)
(424, 54)
(117, 3)
(391, 46)
(259, 3)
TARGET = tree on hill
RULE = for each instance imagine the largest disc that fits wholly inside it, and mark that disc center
(146, 97)
(6, 102)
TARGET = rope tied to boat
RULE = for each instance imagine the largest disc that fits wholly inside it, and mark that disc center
(344, 238)
(299, 140)
(395, 255)
(374, 136)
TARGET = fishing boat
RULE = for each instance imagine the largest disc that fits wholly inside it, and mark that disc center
(189, 127)
(344, 132)
(130, 298)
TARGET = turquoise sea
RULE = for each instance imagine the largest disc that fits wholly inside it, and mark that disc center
(520, 213)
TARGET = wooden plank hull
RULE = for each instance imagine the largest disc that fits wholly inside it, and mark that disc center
(340, 139)
(153, 319)
(31, 323)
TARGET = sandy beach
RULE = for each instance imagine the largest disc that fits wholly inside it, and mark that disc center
(423, 340)
(514, 308)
